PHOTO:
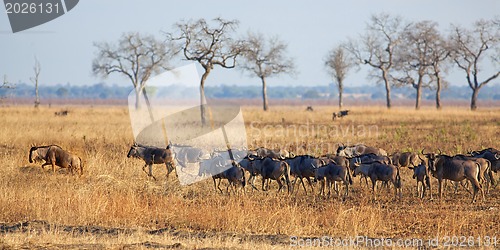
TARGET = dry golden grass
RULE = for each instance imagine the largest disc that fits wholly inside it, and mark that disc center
(114, 193)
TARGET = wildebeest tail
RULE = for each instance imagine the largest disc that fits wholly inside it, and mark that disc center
(490, 174)
(349, 177)
(398, 178)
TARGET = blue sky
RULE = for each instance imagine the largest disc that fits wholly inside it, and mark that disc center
(65, 48)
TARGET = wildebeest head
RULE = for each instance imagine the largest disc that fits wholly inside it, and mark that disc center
(431, 159)
(33, 154)
(133, 151)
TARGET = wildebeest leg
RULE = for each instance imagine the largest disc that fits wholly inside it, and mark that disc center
(477, 187)
(310, 184)
(45, 164)
(252, 182)
(280, 184)
(440, 188)
(303, 185)
(374, 185)
(263, 182)
(346, 183)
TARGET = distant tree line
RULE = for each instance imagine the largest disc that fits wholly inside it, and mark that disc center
(114, 91)
(417, 54)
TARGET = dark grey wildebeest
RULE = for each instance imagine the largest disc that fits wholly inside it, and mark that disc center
(378, 171)
(330, 174)
(444, 167)
(303, 166)
(235, 174)
(490, 154)
(422, 175)
(153, 155)
(56, 156)
(273, 169)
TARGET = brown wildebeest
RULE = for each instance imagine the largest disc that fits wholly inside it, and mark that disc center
(55, 155)
(446, 167)
(153, 155)
(405, 159)
(359, 149)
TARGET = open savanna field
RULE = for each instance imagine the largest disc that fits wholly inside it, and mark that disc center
(115, 205)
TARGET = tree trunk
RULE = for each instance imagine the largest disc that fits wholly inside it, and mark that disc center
(37, 98)
(138, 93)
(419, 95)
(341, 89)
(473, 100)
(202, 97)
(264, 94)
(438, 92)
(387, 89)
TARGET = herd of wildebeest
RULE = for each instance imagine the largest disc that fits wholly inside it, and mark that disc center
(476, 167)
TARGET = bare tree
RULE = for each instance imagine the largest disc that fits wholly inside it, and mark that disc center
(265, 59)
(338, 63)
(377, 47)
(37, 68)
(470, 47)
(136, 57)
(417, 62)
(209, 46)
(5, 83)
(440, 62)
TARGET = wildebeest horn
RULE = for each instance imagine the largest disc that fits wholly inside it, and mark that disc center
(497, 156)
(421, 158)
(440, 152)
(422, 151)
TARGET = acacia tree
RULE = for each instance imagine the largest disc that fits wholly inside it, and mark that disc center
(470, 47)
(135, 56)
(265, 59)
(37, 68)
(440, 63)
(415, 62)
(377, 47)
(338, 64)
(209, 46)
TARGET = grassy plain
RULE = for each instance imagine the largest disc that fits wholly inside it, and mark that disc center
(114, 205)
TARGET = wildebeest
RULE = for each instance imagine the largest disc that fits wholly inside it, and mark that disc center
(445, 167)
(55, 155)
(405, 159)
(378, 171)
(265, 152)
(274, 169)
(490, 154)
(340, 114)
(186, 155)
(485, 173)
(61, 113)
(303, 166)
(331, 173)
(368, 158)
(359, 149)
(235, 174)
(153, 155)
(421, 174)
